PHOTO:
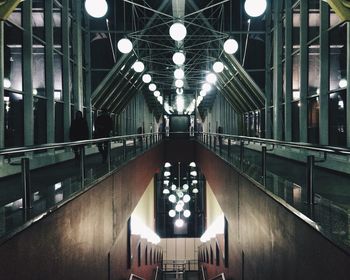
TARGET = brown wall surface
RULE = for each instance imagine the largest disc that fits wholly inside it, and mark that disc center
(76, 240)
(266, 240)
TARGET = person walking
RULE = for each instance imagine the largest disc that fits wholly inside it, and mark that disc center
(78, 131)
(103, 128)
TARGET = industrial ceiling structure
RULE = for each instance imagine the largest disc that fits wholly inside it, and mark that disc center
(208, 25)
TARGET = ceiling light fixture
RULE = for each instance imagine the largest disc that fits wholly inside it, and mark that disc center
(178, 31)
(124, 45)
(179, 222)
(343, 83)
(211, 78)
(206, 87)
(179, 74)
(179, 91)
(218, 67)
(146, 78)
(179, 58)
(231, 46)
(138, 66)
(203, 93)
(96, 8)
(179, 83)
(152, 87)
(187, 213)
(255, 8)
(156, 93)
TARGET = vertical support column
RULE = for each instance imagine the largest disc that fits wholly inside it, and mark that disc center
(2, 107)
(348, 87)
(324, 73)
(268, 86)
(77, 50)
(310, 179)
(82, 165)
(277, 72)
(263, 165)
(26, 185)
(288, 72)
(65, 70)
(27, 74)
(49, 72)
(303, 70)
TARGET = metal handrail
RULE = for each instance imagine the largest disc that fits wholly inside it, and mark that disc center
(299, 145)
(219, 276)
(36, 148)
(134, 276)
(203, 273)
(156, 275)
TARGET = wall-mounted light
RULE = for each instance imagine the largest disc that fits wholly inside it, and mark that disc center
(343, 83)
(96, 8)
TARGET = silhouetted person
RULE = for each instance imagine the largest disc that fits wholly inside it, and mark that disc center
(103, 128)
(78, 131)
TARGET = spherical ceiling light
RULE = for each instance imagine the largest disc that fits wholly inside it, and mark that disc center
(186, 198)
(206, 87)
(166, 182)
(179, 83)
(167, 165)
(199, 99)
(152, 87)
(146, 78)
(179, 74)
(203, 93)
(96, 8)
(194, 182)
(179, 58)
(167, 173)
(179, 207)
(231, 46)
(179, 223)
(193, 173)
(178, 31)
(7, 83)
(195, 190)
(187, 213)
(179, 91)
(211, 78)
(255, 8)
(156, 93)
(192, 164)
(172, 198)
(166, 191)
(160, 99)
(124, 45)
(173, 187)
(218, 67)
(172, 213)
(343, 83)
(185, 187)
(138, 66)
(180, 194)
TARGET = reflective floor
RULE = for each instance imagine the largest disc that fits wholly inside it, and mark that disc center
(287, 179)
(54, 184)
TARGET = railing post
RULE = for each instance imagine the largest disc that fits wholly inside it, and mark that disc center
(82, 165)
(26, 185)
(263, 165)
(134, 146)
(124, 149)
(229, 148)
(210, 141)
(146, 142)
(241, 154)
(215, 138)
(310, 179)
(109, 155)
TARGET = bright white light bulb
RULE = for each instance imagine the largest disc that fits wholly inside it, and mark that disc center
(186, 198)
(167, 164)
(160, 99)
(195, 190)
(156, 93)
(173, 187)
(179, 74)
(180, 194)
(124, 45)
(179, 207)
(218, 67)
(7, 83)
(96, 8)
(146, 78)
(166, 182)
(255, 8)
(166, 191)
(185, 187)
(167, 173)
(179, 83)
(179, 223)
(194, 182)
(179, 91)
(199, 99)
(187, 213)
(206, 87)
(172, 198)
(193, 173)
(152, 87)
(231, 46)
(211, 78)
(172, 213)
(138, 66)
(343, 83)
(178, 31)
(179, 58)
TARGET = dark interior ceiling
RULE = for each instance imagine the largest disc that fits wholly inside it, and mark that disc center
(208, 23)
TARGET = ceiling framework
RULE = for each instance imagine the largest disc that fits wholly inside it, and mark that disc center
(202, 46)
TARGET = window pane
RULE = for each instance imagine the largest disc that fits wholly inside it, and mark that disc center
(296, 28)
(337, 118)
(38, 18)
(296, 77)
(338, 57)
(313, 120)
(314, 18)
(57, 76)
(57, 27)
(314, 68)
